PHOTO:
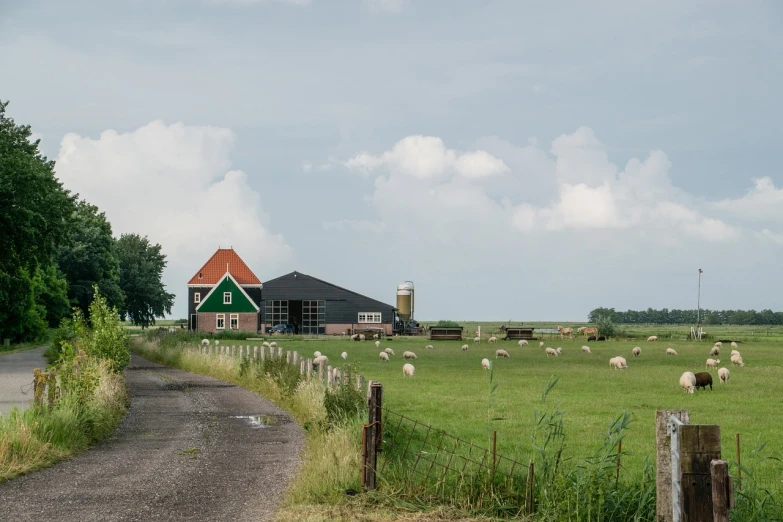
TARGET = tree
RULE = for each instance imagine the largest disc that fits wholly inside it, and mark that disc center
(90, 259)
(141, 272)
(35, 215)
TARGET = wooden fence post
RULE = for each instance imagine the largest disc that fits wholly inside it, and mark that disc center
(329, 376)
(279, 352)
(719, 471)
(302, 368)
(374, 434)
(51, 388)
(288, 357)
(699, 446)
(663, 479)
(309, 368)
(359, 382)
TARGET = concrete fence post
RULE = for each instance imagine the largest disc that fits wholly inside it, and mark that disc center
(279, 352)
(322, 371)
(309, 368)
(289, 356)
(295, 358)
(359, 382)
(255, 352)
(302, 369)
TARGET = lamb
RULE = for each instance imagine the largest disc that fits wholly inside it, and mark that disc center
(541, 344)
(377, 344)
(715, 351)
(316, 354)
(465, 347)
(477, 339)
(734, 344)
(492, 339)
(408, 370)
(688, 382)
(501, 353)
(703, 379)
(586, 349)
(485, 364)
(384, 356)
(736, 360)
(652, 338)
(559, 350)
(637, 351)
(389, 351)
(618, 363)
(522, 343)
(551, 351)
(409, 355)
(428, 347)
(362, 337)
(344, 355)
(723, 375)
(713, 363)
(671, 351)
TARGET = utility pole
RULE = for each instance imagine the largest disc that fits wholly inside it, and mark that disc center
(698, 308)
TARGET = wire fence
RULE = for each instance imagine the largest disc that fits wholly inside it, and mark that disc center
(433, 463)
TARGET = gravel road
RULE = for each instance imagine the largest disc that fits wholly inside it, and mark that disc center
(16, 379)
(183, 452)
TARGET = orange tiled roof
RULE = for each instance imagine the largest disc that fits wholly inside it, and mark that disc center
(215, 268)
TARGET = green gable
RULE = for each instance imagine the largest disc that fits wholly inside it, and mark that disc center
(213, 302)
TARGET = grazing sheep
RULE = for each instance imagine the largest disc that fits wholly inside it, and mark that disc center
(408, 370)
(734, 352)
(344, 355)
(618, 363)
(652, 338)
(317, 354)
(671, 351)
(205, 342)
(389, 351)
(703, 379)
(376, 336)
(273, 345)
(559, 350)
(477, 339)
(362, 337)
(723, 375)
(715, 351)
(384, 356)
(601, 338)
(551, 351)
(522, 343)
(736, 360)
(541, 344)
(592, 338)
(377, 344)
(501, 353)
(492, 339)
(429, 347)
(637, 351)
(465, 347)
(485, 364)
(355, 337)
(321, 359)
(688, 382)
(734, 345)
(586, 349)
(719, 344)
(713, 363)
(409, 355)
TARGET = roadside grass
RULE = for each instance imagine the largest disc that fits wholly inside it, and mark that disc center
(20, 347)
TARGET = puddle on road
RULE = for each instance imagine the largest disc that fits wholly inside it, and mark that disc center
(259, 421)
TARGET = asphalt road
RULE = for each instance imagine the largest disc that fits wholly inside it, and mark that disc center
(181, 453)
(16, 379)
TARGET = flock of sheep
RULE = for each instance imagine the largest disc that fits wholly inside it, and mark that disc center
(691, 382)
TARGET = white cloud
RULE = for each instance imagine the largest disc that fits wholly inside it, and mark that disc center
(763, 202)
(173, 183)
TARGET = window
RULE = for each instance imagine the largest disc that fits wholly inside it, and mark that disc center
(201, 275)
(369, 317)
(226, 297)
(234, 320)
(197, 297)
(276, 312)
(313, 317)
(220, 322)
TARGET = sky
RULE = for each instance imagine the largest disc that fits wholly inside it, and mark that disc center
(517, 160)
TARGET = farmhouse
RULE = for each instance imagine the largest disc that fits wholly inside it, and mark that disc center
(224, 294)
(314, 306)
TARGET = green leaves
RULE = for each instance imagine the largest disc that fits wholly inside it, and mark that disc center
(141, 273)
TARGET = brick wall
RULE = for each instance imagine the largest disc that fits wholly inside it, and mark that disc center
(248, 322)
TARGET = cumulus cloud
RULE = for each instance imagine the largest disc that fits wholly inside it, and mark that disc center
(174, 184)
(763, 202)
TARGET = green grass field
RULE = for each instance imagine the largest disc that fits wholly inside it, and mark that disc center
(450, 392)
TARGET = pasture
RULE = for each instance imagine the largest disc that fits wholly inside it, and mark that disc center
(450, 391)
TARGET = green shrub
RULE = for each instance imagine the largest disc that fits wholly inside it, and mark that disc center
(447, 324)
(105, 337)
(344, 401)
(606, 326)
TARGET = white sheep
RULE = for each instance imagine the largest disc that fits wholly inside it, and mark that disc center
(559, 350)
(723, 375)
(264, 344)
(736, 360)
(320, 359)
(618, 363)
(316, 354)
(713, 363)
(409, 355)
(465, 347)
(671, 351)
(344, 355)
(389, 351)
(408, 370)
(492, 339)
(551, 351)
(719, 344)
(522, 343)
(362, 337)
(384, 356)
(376, 336)
(586, 349)
(688, 382)
(541, 344)
(501, 353)
(205, 342)
(477, 339)
(485, 364)
(377, 344)
(734, 352)
(354, 337)
(273, 344)
(637, 351)
(217, 342)
(429, 347)
(734, 344)
(652, 338)
(715, 351)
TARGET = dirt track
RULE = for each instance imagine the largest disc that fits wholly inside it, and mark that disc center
(179, 454)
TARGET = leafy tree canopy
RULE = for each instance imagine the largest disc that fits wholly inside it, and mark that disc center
(141, 273)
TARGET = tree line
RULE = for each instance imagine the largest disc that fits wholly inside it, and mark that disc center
(708, 317)
(56, 248)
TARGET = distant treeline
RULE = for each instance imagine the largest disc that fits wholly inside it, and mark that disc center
(708, 317)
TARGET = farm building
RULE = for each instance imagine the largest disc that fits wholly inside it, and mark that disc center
(224, 294)
(314, 306)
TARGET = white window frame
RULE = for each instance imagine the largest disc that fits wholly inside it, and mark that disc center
(197, 297)
(226, 297)
(232, 318)
(218, 319)
(370, 318)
